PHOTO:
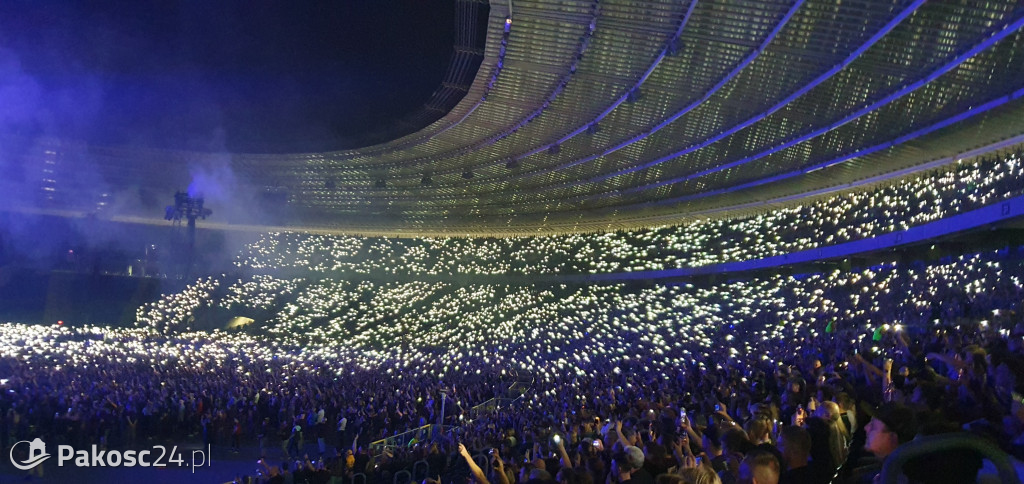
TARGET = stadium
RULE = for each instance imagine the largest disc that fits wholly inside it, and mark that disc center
(510, 242)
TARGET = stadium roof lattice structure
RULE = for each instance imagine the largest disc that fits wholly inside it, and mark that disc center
(590, 115)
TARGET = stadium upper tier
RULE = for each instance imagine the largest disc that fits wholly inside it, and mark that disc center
(588, 116)
(824, 222)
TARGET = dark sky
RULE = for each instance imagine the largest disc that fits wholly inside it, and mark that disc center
(213, 75)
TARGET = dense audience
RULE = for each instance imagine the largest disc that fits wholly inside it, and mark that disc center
(762, 380)
(806, 378)
(841, 218)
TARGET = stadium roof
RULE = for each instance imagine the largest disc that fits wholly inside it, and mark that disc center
(587, 115)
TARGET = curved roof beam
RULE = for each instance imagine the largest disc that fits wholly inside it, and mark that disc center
(582, 48)
(1007, 30)
(714, 89)
(885, 30)
(863, 182)
(963, 115)
(514, 127)
(368, 165)
(548, 144)
(622, 99)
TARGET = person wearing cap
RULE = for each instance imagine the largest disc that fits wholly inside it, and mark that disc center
(627, 466)
(892, 424)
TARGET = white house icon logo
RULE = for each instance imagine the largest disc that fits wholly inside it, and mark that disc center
(36, 454)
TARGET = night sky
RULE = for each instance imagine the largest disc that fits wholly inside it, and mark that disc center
(236, 76)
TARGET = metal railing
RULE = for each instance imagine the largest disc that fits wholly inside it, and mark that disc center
(492, 405)
(426, 433)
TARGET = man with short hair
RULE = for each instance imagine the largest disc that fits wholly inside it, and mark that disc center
(795, 445)
(759, 467)
(711, 446)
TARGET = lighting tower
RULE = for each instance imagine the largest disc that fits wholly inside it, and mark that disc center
(188, 208)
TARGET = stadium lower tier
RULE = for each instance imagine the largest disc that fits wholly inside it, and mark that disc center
(381, 355)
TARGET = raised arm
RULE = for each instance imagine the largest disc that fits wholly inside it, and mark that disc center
(948, 360)
(691, 433)
(566, 461)
(723, 412)
(618, 432)
(499, 468)
(868, 367)
(478, 473)
(683, 454)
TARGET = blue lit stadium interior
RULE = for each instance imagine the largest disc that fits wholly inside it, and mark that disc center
(514, 242)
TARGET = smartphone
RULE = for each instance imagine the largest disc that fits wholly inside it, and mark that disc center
(718, 408)
(597, 443)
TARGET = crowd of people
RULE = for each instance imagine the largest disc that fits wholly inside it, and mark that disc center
(814, 377)
(839, 218)
(758, 377)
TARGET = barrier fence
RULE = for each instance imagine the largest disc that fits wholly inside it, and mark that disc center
(426, 433)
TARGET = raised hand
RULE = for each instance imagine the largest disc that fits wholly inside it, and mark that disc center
(689, 462)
